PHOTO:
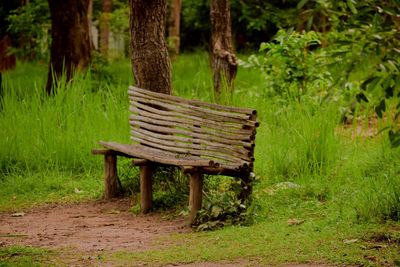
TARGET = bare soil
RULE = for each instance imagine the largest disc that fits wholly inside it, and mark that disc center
(94, 227)
(91, 226)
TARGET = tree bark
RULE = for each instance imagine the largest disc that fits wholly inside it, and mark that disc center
(174, 27)
(105, 27)
(70, 47)
(90, 23)
(7, 60)
(150, 60)
(224, 62)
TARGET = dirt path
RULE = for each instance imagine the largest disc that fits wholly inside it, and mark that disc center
(96, 226)
(91, 226)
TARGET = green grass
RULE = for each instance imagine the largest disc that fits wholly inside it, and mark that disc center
(308, 168)
(272, 243)
(24, 256)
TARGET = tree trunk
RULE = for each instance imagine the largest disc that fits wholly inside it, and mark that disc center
(174, 28)
(105, 27)
(70, 47)
(90, 23)
(224, 62)
(150, 60)
(7, 60)
(150, 64)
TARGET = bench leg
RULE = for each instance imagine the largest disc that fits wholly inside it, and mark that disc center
(247, 188)
(196, 194)
(110, 176)
(146, 193)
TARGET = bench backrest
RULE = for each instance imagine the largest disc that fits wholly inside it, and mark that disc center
(223, 134)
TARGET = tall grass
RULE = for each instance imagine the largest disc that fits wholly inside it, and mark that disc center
(41, 132)
(47, 140)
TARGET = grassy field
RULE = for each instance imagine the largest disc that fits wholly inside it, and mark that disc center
(339, 183)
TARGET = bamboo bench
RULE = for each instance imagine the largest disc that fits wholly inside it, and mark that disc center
(199, 137)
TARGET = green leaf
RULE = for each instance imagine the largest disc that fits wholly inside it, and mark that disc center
(350, 4)
(380, 108)
(361, 97)
(394, 138)
(301, 4)
(367, 81)
(310, 22)
(389, 92)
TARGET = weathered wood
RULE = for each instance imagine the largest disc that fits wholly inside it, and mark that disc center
(195, 102)
(202, 130)
(196, 194)
(140, 162)
(201, 138)
(202, 149)
(110, 176)
(146, 192)
(134, 101)
(226, 147)
(214, 138)
(156, 155)
(170, 113)
(171, 104)
(213, 171)
(187, 151)
(178, 118)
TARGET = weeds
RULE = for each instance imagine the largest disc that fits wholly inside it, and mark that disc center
(45, 145)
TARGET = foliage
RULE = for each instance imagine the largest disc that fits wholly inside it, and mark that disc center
(221, 205)
(371, 33)
(296, 142)
(119, 21)
(292, 67)
(31, 24)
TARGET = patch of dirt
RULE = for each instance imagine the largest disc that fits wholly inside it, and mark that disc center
(88, 227)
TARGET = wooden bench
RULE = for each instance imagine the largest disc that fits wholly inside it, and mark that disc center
(200, 138)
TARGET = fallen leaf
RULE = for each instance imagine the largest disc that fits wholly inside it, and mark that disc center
(350, 241)
(78, 191)
(292, 222)
(18, 214)
(371, 258)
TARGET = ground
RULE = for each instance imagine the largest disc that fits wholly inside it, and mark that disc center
(84, 231)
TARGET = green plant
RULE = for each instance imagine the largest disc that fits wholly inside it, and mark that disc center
(31, 24)
(222, 205)
(293, 67)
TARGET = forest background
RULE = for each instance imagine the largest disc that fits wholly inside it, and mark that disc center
(322, 74)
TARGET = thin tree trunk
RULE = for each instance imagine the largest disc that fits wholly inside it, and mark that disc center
(224, 62)
(90, 23)
(7, 60)
(150, 60)
(174, 28)
(105, 27)
(70, 47)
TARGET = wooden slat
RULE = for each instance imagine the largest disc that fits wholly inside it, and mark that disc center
(157, 155)
(195, 149)
(187, 151)
(203, 115)
(176, 117)
(181, 104)
(160, 129)
(205, 131)
(167, 113)
(193, 102)
(229, 148)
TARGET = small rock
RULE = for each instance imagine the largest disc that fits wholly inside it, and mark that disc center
(293, 221)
